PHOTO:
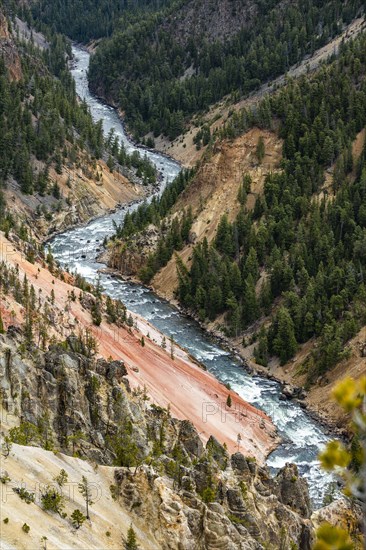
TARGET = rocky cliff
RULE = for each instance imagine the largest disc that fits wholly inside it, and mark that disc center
(186, 495)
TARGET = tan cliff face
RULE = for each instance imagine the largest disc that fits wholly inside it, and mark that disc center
(162, 515)
(185, 495)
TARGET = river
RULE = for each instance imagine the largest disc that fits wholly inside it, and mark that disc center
(78, 248)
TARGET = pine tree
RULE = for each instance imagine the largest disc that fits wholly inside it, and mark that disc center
(2, 329)
(284, 343)
(77, 518)
(131, 542)
(172, 347)
(261, 350)
(85, 490)
(250, 303)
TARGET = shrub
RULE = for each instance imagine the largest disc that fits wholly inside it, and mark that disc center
(24, 494)
(52, 500)
(62, 478)
(77, 518)
(208, 495)
(24, 434)
(4, 478)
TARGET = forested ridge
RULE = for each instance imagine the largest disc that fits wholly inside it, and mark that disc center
(305, 255)
(294, 266)
(160, 80)
(41, 122)
(83, 20)
(44, 125)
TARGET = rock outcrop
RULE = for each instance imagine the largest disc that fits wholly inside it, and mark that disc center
(8, 50)
(187, 495)
(182, 518)
(293, 490)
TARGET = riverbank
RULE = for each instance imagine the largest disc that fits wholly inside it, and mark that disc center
(322, 409)
(169, 376)
(333, 423)
(118, 208)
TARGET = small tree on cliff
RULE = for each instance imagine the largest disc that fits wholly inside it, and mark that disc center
(2, 330)
(77, 518)
(53, 501)
(86, 491)
(172, 347)
(131, 542)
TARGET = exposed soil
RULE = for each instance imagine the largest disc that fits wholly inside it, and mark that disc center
(191, 392)
(86, 192)
(214, 191)
(34, 468)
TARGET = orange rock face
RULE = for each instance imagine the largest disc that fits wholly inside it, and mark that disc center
(189, 391)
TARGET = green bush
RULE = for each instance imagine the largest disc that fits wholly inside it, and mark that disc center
(52, 500)
(25, 495)
(77, 518)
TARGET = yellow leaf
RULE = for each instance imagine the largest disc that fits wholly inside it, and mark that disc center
(362, 385)
(334, 455)
(332, 538)
(347, 395)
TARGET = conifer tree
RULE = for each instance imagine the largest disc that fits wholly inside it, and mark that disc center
(284, 343)
(2, 329)
(86, 490)
(131, 542)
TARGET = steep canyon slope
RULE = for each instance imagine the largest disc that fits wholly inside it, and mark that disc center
(264, 202)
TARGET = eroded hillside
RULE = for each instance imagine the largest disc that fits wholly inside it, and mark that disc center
(238, 248)
(68, 411)
(62, 170)
(107, 402)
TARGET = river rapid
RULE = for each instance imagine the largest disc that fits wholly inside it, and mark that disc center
(78, 249)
